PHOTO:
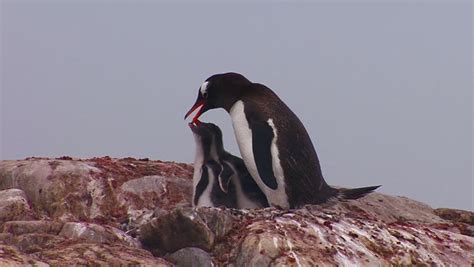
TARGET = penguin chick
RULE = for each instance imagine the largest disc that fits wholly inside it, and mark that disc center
(234, 174)
(206, 189)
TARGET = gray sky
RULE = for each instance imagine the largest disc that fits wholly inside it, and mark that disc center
(384, 90)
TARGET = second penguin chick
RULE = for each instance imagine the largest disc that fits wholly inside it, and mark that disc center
(234, 177)
(206, 189)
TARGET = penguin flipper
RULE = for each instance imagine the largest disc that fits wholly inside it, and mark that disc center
(262, 137)
(225, 177)
(202, 184)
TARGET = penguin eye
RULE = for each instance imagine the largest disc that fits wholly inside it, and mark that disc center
(204, 94)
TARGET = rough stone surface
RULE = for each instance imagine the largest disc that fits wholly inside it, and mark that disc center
(150, 194)
(178, 229)
(93, 254)
(94, 233)
(74, 211)
(461, 216)
(13, 205)
(105, 211)
(10, 256)
(190, 257)
(27, 227)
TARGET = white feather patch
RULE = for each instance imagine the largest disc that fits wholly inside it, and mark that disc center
(205, 198)
(243, 135)
(203, 87)
(198, 162)
(276, 164)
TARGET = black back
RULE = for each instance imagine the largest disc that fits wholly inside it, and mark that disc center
(304, 180)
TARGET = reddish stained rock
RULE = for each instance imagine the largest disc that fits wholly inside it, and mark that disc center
(89, 190)
(93, 254)
(11, 256)
(14, 206)
(94, 233)
(90, 211)
(190, 257)
(80, 192)
(186, 227)
(27, 227)
(460, 216)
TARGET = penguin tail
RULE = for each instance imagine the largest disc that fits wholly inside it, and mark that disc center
(355, 193)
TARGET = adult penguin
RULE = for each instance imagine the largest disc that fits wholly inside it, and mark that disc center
(273, 142)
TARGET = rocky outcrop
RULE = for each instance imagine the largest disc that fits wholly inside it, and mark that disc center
(57, 211)
(107, 211)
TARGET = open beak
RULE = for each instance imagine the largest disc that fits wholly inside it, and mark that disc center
(199, 106)
(194, 125)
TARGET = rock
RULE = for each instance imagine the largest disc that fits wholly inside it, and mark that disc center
(145, 195)
(10, 256)
(186, 227)
(27, 227)
(157, 191)
(309, 237)
(85, 190)
(94, 233)
(32, 236)
(94, 254)
(177, 229)
(96, 212)
(387, 208)
(13, 205)
(462, 221)
(454, 215)
(190, 257)
(6, 239)
(35, 242)
(58, 189)
(80, 192)
(257, 252)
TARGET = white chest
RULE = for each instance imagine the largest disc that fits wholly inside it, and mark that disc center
(198, 162)
(243, 135)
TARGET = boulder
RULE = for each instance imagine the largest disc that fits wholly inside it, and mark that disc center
(190, 257)
(14, 205)
(461, 216)
(175, 230)
(94, 233)
(91, 190)
(28, 227)
(95, 254)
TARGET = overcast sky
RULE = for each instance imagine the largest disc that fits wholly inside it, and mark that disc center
(384, 90)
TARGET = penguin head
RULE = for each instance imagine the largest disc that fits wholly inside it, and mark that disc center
(219, 91)
(216, 136)
(201, 131)
(208, 135)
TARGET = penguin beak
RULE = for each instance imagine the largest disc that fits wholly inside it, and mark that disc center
(194, 125)
(199, 106)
